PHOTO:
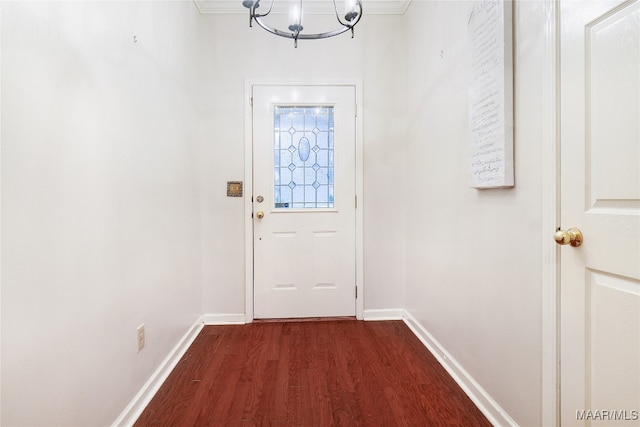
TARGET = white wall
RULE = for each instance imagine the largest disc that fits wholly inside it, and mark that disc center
(473, 266)
(100, 203)
(233, 52)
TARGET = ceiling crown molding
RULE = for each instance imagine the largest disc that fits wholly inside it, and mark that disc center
(373, 7)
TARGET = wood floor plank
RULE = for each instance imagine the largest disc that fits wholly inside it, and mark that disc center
(174, 397)
(221, 382)
(311, 373)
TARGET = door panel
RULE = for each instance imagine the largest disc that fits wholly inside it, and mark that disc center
(304, 188)
(600, 194)
(613, 356)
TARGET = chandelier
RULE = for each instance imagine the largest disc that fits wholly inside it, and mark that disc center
(352, 14)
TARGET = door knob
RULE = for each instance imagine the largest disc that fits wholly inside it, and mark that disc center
(571, 236)
(259, 214)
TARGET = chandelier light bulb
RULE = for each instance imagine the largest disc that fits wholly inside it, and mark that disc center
(350, 10)
(295, 18)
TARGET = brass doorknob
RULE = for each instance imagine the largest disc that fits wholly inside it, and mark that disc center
(571, 236)
(259, 214)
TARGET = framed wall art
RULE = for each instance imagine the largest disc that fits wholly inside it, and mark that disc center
(491, 94)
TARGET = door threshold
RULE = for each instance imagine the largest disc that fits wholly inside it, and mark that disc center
(306, 319)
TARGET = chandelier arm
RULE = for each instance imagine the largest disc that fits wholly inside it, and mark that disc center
(299, 36)
(254, 14)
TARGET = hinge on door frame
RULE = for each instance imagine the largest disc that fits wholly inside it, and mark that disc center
(251, 101)
(356, 110)
(356, 201)
(356, 291)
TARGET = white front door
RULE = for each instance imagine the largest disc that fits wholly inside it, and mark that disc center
(600, 195)
(304, 201)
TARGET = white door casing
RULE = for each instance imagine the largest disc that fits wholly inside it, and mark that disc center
(600, 195)
(304, 259)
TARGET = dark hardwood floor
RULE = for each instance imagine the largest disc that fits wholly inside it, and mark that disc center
(320, 373)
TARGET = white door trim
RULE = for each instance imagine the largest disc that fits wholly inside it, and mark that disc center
(550, 218)
(248, 186)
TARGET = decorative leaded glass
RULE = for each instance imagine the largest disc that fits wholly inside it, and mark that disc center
(303, 157)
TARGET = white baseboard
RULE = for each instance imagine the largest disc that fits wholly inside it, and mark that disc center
(225, 319)
(133, 410)
(489, 407)
(384, 314)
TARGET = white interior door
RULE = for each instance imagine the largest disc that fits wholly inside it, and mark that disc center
(600, 195)
(304, 201)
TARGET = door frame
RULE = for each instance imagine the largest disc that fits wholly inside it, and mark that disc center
(248, 185)
(550, 289)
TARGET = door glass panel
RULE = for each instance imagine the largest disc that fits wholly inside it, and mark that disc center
(303, 157)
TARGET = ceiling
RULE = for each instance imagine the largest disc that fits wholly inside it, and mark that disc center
(375, 7)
